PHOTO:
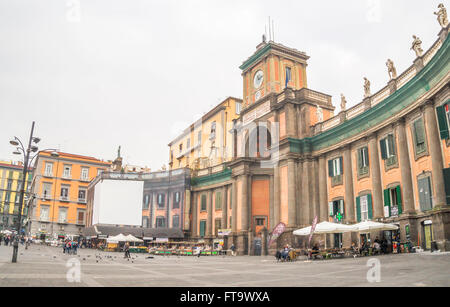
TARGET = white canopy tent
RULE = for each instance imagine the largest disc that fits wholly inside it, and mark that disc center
(325, 228)
(119, 238)
(131, 238)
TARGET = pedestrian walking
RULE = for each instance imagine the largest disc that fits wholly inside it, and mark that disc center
(127, 250)
(233, 250)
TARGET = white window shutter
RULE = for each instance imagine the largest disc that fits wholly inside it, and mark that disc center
(330, 208)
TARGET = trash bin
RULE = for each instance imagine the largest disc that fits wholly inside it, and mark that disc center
(434, 246)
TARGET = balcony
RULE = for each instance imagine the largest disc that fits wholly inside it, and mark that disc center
(64, 198)
(82, 200)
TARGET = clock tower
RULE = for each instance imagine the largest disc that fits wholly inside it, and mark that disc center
(272, 68)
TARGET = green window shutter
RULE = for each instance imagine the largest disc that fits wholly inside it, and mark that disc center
(358, 209)
(202, 228)
(446, 184)
(443, 127)
(369, 206)
(341, 166)
(203, 206)
(383, 149)
(419, 132)
(218, 200)
(387, 202)
(330, 168)
(399, 200)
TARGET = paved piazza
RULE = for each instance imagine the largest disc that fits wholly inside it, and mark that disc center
(46, 266)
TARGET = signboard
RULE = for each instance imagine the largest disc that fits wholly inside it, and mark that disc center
(224, 232)
(256, 113)
(277, 231)
(162, 240)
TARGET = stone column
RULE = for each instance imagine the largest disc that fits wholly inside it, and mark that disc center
(291, 194)
(209, 214)
(224, 207)
(195, 215)
(348, 184)
(405, 168)
(315, 189)
(375, 174)
(244, 203)
(233, 206)
(323, 195)
(276, 197)
(306, 199)
(434, 143)
(270, 223)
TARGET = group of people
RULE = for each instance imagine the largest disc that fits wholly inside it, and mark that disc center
(70, 247)
(378, 247)
(284, 253)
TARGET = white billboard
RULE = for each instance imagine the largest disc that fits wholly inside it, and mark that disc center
(118, 202)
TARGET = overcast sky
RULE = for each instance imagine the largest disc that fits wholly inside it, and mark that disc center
(96, 74)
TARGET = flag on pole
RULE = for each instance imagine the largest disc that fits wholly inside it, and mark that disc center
(313, 227)
(277, 231)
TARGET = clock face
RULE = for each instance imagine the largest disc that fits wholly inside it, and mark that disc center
(258, 80)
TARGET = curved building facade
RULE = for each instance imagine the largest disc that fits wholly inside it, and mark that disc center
(385, 159)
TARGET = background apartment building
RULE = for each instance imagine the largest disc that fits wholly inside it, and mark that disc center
(60, 182)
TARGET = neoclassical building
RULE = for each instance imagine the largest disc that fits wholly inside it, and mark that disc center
(384, 159)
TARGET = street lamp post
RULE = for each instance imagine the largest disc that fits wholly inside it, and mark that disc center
(26, 153)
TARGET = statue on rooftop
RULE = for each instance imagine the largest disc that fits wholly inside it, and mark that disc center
(391, 69)
(118, 152)
(417, 46)
(366, 88)
(442, 15)
(343, 102)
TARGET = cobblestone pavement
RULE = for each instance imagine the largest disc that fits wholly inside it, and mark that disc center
(46, 266)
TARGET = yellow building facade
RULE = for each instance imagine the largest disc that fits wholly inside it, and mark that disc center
(207, 142)
(10, 187)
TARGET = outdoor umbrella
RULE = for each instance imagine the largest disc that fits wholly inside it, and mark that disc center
(370, 226)
(324, 228)
(131, 238)
(119, 238)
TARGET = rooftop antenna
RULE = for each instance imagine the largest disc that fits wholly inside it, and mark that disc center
(270, 32)
(273, 32)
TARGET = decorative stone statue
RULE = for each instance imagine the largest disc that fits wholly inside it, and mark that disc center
(366, 88)
(163, 168)
(118, 152)
(343, 102)
(391, 69)
(417, 46)
(442, 15)
(319, 113)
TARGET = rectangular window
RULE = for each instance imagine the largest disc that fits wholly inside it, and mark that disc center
(364, 209)
(146, 201)
(85, 174)
(238, 108)
(9, 184)
(67, 172)
(335, 167)
(443, 116)
(419, 136)
(64, 192)
(188, 145)
(160, 222)
(181, 148)
(43, 214)
(48, 169)
(392, 202)
(213, 131)
(80, 217)
(260, 221)
(175, 221)
(203, 203)
(425, 194)
(161, 200)
(82, 194)
(199, 137)
(387, 147)
(336, 209)
(176, 200)
(363, 161)
(62, 215)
